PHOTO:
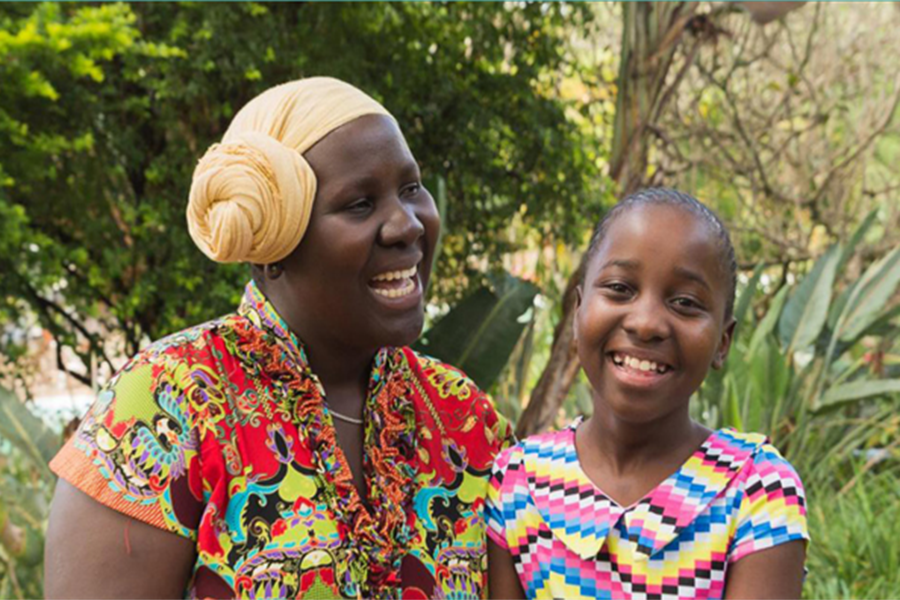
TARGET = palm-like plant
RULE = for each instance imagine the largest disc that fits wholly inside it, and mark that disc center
(804, 375)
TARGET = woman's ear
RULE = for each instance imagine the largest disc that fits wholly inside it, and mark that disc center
(724, 345)
(274, 270)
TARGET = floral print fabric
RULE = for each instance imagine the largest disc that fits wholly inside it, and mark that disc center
(734, 496)
(221, 434)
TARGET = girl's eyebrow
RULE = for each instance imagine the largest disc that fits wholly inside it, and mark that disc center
(630, 265)
(692, 276)
(633, 265)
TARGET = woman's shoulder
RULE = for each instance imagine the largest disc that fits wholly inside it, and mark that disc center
(453, 399)
(195, 345)
(188, 340)
(445, 384)
(178, 362)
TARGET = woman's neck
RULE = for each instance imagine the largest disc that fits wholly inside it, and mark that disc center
(342, 369)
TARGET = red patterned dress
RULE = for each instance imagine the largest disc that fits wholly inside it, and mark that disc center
(220, 434)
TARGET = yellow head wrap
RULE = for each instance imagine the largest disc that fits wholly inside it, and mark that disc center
(252, 194)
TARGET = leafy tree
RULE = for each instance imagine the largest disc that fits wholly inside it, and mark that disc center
(786, 129)
(105, 109)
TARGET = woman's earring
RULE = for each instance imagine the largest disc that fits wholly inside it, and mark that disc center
(274, 270)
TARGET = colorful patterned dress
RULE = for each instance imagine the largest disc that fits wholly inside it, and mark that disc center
(220, 434)
(734, 496)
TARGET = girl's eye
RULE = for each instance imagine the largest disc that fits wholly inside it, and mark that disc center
(618, 289)
(687, 304)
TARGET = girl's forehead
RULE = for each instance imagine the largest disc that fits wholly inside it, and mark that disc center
(650, 220)
(657, 234)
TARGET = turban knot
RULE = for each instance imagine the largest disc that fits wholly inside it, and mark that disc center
(250, 200)
(252, 194)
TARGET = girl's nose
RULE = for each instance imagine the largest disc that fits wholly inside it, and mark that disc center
(403, 225)
(646, 320)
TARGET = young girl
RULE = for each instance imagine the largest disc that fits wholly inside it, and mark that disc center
(639, 501)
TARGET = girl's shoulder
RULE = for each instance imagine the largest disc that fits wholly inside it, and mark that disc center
(753, 463)
(547, 448)
(729, 442)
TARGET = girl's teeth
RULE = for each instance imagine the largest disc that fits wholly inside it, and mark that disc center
(639, 365)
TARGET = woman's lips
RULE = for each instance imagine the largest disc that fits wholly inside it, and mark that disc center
(399, 288)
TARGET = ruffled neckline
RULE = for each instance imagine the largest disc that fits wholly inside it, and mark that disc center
(374, 540)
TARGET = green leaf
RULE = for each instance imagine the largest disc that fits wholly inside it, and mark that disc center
(871, 293)
(767, 324)
(805, 313)
(743, 303)
(857, 390)
(27, 432)
(733, 408)
(479, 334)
(837, 307)
(850, 247)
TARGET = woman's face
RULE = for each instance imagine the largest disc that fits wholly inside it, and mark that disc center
(358, 277)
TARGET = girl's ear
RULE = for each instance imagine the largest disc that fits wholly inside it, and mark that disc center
(578, 293)
(724, 345)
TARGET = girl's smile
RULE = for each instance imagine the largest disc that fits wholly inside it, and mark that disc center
(639, 369)
(652, 313)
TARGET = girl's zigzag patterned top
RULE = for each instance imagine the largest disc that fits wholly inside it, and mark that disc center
(221, 434)
(734, 496)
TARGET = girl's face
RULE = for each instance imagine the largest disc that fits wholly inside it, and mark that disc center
(358, 277)
(651, 315)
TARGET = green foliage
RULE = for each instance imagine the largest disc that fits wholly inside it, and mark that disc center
(26, 445)
(479, 334)
(805, 312)
(804, 377)
(854, 548)
(104, 111)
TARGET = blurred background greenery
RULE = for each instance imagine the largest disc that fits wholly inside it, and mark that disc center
(529, 120)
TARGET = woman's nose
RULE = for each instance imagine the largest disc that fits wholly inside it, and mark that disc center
(646, 320)
(403, 225)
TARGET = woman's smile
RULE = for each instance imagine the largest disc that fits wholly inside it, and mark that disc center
(399, 289)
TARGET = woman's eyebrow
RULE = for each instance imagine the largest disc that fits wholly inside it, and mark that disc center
(353, 186)
(692, 276)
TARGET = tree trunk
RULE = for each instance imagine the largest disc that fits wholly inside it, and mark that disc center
(651, 33)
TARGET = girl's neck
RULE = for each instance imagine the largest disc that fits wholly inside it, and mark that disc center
(625, 447)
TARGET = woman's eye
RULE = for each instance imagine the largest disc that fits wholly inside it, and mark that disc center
(411, 189)
(360, 206)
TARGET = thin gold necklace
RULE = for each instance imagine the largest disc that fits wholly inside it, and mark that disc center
(344, 418)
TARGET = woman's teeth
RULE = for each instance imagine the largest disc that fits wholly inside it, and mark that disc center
(407, 288)
(392, 275)
(395, 284)
(646, 366)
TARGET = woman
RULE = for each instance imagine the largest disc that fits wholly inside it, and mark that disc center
(296, 448)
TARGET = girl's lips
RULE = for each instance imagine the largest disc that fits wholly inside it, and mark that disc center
(636, 378)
